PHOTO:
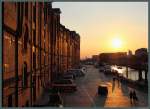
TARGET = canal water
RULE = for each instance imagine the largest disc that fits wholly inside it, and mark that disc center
(132, 74)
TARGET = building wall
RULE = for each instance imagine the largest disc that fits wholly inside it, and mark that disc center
(36, 47)
(9, 51)
(141, 52)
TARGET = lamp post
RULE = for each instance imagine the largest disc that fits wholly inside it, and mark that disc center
(127, 64)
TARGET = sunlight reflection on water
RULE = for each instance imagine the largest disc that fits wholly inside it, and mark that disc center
(132, 74)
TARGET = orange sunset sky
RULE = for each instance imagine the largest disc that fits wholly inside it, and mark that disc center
(107, 26)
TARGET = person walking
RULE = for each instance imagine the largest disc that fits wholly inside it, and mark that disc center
(131, 96)
(114, 79)
(134, 97)
(118, 78)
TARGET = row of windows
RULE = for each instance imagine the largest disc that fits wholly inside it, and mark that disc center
(34, 12)
(25, 73)
(27, 9)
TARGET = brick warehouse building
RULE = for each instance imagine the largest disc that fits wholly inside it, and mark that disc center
(36, 48)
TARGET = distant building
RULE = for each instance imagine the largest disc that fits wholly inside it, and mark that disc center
(141, 55)
(113, 58)
(95, 58)
(130, 53)
(141, 52)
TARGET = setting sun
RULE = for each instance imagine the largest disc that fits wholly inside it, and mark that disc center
(117, 43)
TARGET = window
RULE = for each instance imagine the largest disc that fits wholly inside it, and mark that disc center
(44, 58)
(10, 101)
(45, 14)
(27, 104)
(24, 76)
(26, 36)
(34, 88)
(26, 9)
(34, 37)
(34, 13)
(34, 60)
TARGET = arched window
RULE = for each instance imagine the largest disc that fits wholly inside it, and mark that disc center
(24, 76)
(26, 37)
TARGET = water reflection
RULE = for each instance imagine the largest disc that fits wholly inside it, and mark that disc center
(132, 74)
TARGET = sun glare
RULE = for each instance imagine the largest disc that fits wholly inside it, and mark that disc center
(117, 43)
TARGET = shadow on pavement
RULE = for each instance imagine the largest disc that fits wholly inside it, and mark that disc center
(125, 90)
(113, 86)
(99, 100)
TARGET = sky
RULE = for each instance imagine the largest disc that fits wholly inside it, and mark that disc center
(106, 26)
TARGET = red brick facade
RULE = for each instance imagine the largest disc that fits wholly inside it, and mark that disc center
(36, 47)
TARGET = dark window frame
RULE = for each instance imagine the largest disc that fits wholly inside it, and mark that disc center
(26, 37)
(34, 37)
(10, 99)
(24, 76)
(34, 13)
(34, 60)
